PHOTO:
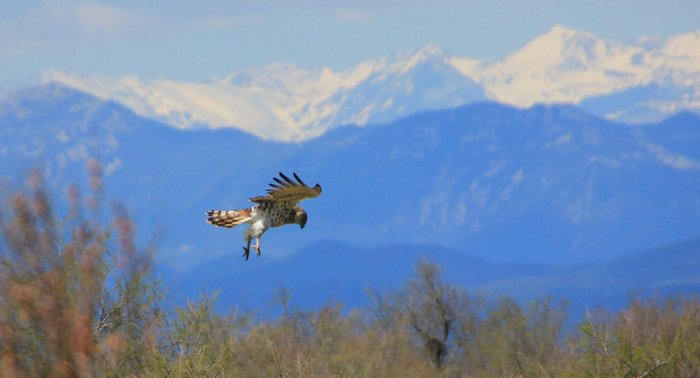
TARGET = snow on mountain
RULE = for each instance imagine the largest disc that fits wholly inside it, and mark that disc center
(684, 45)
(564, 65)
(287, 102)
(403, 84)
(258, 108)
(641, 81)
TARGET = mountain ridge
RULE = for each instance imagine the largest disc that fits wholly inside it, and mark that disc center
(548, 183)
(292, 103)
(347, 274)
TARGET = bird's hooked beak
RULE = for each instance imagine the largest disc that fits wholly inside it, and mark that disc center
(302, 221)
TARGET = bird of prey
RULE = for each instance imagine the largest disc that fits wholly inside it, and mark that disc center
(276, 208)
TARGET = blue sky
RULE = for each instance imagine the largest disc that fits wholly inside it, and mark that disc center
(198, 40)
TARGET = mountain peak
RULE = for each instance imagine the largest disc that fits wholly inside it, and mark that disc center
(284, 101)
(683, 45)
(430, 51)
(561, 30)
(405, 61)
(559, 41)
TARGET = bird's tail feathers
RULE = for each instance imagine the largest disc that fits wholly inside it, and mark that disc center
(228, 218)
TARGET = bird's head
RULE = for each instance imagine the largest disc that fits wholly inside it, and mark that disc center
(300, 216)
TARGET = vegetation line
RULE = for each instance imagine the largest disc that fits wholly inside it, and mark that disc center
(77, 299)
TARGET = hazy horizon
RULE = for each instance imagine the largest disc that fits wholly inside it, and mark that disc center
(198, 41)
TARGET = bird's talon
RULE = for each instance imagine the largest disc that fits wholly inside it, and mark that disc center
(246, 253)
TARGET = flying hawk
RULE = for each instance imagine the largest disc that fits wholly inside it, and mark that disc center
(277, 208)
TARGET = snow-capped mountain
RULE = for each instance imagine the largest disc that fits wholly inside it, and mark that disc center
(287, 102)
(569, 66)
(641, 81)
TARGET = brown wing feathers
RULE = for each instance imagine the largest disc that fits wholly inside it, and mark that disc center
(285, 189)
(228, 218)
(287, 182)
(292, 191)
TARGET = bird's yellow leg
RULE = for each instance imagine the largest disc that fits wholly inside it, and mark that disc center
(257, 246)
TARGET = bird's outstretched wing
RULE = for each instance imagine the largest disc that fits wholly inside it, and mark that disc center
(288, 191)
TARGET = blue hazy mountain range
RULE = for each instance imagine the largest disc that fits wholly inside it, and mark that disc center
(328, 272)
(548, 199)
(545, 184)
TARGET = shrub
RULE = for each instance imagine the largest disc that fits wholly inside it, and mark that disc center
(73, 300)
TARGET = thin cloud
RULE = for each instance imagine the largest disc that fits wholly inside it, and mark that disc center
(353, 15)
(100, 19)
(54, 25)
(228, 23)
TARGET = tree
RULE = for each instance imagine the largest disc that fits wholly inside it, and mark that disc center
(440, 316)
(651, 337)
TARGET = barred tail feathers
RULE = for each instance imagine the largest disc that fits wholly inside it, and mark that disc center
(228, 218)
